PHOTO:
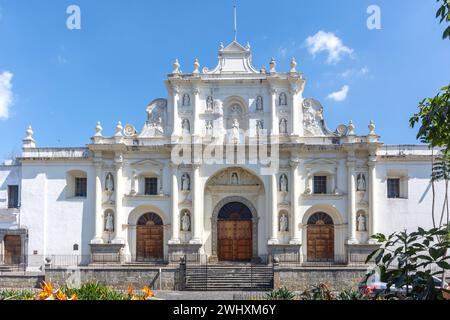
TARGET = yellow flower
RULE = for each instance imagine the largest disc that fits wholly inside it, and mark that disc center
(147, 293)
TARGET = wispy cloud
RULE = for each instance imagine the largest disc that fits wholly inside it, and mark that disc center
(328, 42)
(6, 94)
(354, 72)
(340, 95)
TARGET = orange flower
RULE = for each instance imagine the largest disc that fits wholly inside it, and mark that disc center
(60, 295)
(130, 290)
(47, 291)
(147, 293)
(74, 297)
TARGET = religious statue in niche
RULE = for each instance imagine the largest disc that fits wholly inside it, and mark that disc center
(284, 223)
(282, 101)
(259, 104)
(209, 103)
(283, 126)
(234, 178)
(185, 221)
(362, 222)
(109, 222)
(185, 182)
(283, 183)
(109, 182)
(186, 100)
(133, 183)
(186, 127)
(361, 182)
(235, 130)
(209, 128)
(259, 126)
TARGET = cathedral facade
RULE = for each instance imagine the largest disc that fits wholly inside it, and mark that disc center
(233, 165)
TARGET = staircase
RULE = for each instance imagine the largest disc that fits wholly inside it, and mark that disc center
(228, 278)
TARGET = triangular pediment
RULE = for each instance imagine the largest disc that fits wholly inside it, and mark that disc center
(234, 47)
(148, 163)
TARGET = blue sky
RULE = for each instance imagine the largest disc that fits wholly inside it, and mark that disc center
(63, 81)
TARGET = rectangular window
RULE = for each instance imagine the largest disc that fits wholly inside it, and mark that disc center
(320, 184)
(81, 187)
(393, 188)
(151, 186)
(13, 197)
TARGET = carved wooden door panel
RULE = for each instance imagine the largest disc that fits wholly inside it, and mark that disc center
(320, 243)
(12, 250)
(234, 240)
(149, 243)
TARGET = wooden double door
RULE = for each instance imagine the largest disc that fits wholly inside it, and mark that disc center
(234, 240)
(13, 250)
(320, 243)
(149, 242)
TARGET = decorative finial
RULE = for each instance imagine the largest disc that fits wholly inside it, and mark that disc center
(372, 128)
(29, 142)
(119, 129)
(196, 66)
(221, 46)
(98, 130)
(176, 67)
(247, 46)
(263, 69)
(293, 65)
(351, 129)
(273, 65)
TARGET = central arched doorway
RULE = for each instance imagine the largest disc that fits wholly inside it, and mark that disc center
(149, 237)
(320, 238)
(234, 232)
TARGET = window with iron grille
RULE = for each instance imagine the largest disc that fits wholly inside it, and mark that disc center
(80, 187)
(393, 188)
(320, 184)
(13, 197)
(151, 186)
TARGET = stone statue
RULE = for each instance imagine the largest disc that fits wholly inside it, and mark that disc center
(259, 126)
(362, 222)
(361, 182)
(283, 183)
(109, 183)
(133, 183)
(209, 128)
(186, 100)
(259, 104)
(284, 223)
(186, 126)
(283, 99)
(185, 182)
(234, 178)
(283, 126)
(235, 130)
(186, 222)
(210, 103)
(109, 222)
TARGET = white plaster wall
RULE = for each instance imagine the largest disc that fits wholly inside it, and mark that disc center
(55, 221)
(399, 214)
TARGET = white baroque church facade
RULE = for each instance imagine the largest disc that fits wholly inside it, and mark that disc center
(188, 185)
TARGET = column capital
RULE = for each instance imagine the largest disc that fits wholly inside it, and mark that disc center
(294, 163)
(351, 163)
(173, 165)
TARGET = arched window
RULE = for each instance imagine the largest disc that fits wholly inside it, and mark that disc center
(320, 218)
(150, 219)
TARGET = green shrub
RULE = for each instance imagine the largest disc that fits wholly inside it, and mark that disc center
(16, 295)
(350, 295)
(94, 291)
(280, 294)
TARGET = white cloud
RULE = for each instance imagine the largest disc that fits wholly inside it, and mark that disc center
(354, 72)
(330, 43)
(6, 95)
(340, 95)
